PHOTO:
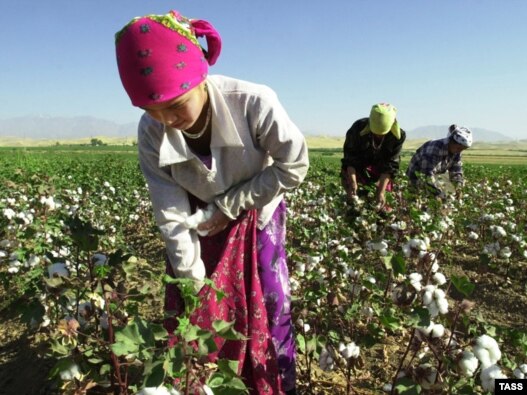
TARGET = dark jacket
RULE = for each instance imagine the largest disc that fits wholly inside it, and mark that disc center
(360, 154)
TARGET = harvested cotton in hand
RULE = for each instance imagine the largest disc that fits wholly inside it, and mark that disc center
(200, 216)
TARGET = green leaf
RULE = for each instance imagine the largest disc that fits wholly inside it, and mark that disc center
(398, 264)
(228, 367)
(406, 386)
(226, 330)
(301, 343)
(463, 285)
(420, 316)
(154, 374)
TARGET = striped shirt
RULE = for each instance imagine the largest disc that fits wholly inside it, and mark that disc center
(433, 158)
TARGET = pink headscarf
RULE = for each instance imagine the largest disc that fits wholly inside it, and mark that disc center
(159, 57)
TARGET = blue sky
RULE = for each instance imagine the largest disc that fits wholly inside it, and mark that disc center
(438, 62)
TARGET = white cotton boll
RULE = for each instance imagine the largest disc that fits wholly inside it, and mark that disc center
(383, 252)
(523, 368)
(313, 261)
(5, 243)
(9, 213)
(158, 391)
(377, 246)
(488, 375)
(387, 387)
(428, 379)
(58, 270)
(99, 259)
(442, 306)
(473, 236)
(415, 281)
(407, 250)
(418, 244)
(422, 254)
(498, 231)
(482, 354)
(439, 294)
(426, 330)
(300, 267)
(428, 297)
(505, 252)
(307, 328)
(518, 374)
(437, 331)
(70, 372)
(425, 217)
(371, 279)
(350, 350)
(367, 311)
(3, 254)
(400, 225)
(326, 362)
(33, 260)
(468, 364)
(487, 343)
(435, 267)
(433, 309)
(439, 278)
(207, 390)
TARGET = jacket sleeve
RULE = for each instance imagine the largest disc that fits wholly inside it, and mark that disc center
(455, 172)
(391, 162)
(171, 205)
(275, 133)
(351, 147)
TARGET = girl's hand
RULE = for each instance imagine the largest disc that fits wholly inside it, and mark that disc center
(215, 224)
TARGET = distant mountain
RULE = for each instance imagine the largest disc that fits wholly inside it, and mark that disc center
(39, 127)
(62, 128)
(437, 132)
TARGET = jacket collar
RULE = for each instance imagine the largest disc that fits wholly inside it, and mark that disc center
(173, 147)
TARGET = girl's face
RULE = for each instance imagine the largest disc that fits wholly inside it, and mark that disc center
(182, 112)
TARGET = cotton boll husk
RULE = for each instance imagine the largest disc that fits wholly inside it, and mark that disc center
(488, 375)
(468, 363)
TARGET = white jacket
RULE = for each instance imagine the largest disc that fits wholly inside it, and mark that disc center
(257, 155)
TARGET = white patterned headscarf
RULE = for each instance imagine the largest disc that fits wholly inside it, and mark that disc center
(460, 135)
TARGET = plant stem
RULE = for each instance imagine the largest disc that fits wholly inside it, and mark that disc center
(402, 361)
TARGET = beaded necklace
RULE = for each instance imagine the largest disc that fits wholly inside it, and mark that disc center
(195, 136)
